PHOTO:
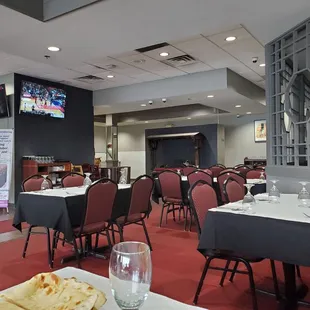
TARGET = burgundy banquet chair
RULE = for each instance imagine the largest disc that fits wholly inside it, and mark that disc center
(188, 170)
(99, 202)
(199, 175)
(232, 190)
(216, 170)
(224, 176)
(31, 184)
(72, 179)
(140, 207)
(255, 174)
(171, 191)
(242, 169)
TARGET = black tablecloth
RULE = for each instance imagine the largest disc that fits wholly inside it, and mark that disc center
(254, 236)
(256, 189)
(60, 213)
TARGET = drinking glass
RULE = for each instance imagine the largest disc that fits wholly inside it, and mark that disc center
(262, 177)
(45, 184)
(274, 193)
(248, 200)
(87, 181)
(130, 274)
(304, 196)
(178, 171)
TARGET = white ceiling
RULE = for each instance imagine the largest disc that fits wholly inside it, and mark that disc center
(116, 27)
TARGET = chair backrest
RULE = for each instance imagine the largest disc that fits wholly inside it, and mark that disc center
(208, 171)
(202, 197)
(255, 174)
(216, 170)
(232, 190)
(199, 175)
(170, 184)
(34, 182)
(141, 191)
(243, 169)
(188, 170)
(99, 202)
(224, 176)
(72, 179)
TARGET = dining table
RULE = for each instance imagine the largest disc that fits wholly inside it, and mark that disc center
(62, 209)
(153, 301)
(277, 231)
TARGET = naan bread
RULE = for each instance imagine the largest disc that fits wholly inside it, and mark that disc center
(89, 290)
(47, 291)
(4, 305)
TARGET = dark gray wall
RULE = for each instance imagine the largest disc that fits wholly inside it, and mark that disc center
(172, 151)
(71, 138)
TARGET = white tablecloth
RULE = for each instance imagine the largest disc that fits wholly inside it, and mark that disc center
(69, 191)
(153, 302)
(288, 209)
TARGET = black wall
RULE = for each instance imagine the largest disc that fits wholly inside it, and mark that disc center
(173, 152)
(71, 138)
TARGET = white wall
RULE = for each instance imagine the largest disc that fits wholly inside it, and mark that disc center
(100, 142)
(8, 123)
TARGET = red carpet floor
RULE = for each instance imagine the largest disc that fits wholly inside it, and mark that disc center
(177, 267)
(6, 226)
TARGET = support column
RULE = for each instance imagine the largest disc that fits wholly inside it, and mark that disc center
(112, 142)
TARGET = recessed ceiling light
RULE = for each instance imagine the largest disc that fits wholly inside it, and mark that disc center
(143, 105)
(53, 48)
(189, 118)
(150, 101)
(110, 76)
(146, 122)
(238, 106)
(262, 65)
(230, 39)
(164, 54)
(248, 112)
(210, 96)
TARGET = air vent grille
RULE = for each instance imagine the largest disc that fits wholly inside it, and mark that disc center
(180, 61)
(90, 79)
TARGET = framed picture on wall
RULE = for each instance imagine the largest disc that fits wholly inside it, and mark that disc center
(260, 131)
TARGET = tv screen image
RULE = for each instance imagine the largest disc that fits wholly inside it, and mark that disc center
(4, 108)
(42, 100)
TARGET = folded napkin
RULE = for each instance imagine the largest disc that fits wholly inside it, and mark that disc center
(233, 206)
(262, 197)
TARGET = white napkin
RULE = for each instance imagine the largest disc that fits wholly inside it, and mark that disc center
(262, 197)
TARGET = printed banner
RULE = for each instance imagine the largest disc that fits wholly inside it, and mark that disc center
(6, 161)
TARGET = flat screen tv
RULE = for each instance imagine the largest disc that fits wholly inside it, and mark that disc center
(39, 99)
(4, 106)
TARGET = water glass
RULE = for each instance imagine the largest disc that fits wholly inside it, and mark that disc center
(45, 184)
(262, 177)
(130, 273)
(87, 181)
(248, 199)
(274, 193)
(304, 196)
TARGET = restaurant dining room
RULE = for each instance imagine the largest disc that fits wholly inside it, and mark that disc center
(154, 155)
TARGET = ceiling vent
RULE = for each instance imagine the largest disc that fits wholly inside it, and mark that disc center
(180, 61)
(90, 79)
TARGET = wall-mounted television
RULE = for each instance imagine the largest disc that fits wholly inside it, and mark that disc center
(37, 99)
(4, 106)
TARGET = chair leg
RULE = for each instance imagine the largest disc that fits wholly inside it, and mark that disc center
(161, 215)
(225, 272)
(54, 246)
(49, 252)
(168, 212)
(203, 275)
(97, 241)
(232, 276)
(190, 220)
(113, 234)
(27, 241)
(173, 212)
(147, 235)
(109, 239)
(121, 232)
(252, 284)
(298, 271)
(275, 280)
(77, 254)
(186, 215)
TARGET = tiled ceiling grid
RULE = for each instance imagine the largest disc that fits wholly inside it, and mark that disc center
(209, 52)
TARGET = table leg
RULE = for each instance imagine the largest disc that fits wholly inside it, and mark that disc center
(292, 293)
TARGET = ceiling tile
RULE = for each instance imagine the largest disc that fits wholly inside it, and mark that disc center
(173, 52)
(207, 52)
(87, 69)
(196, 67)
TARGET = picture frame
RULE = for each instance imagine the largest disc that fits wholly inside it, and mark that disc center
(260, 131)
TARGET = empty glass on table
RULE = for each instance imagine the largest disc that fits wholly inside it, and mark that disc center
(274, 193)
(87, 181)
(304, 196)
(130, 273)
(45, 184)
(262, 177)
(248, 200)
